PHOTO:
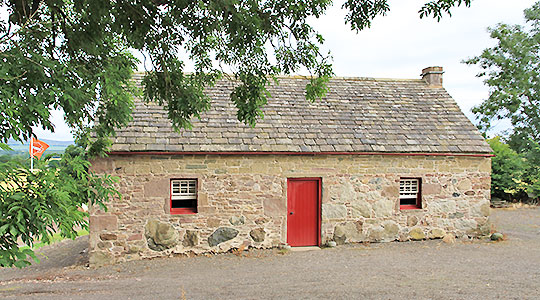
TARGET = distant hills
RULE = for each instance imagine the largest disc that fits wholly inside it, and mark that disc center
(54, 146)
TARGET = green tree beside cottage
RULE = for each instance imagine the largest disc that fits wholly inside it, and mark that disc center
(511, 69)
(77, 56)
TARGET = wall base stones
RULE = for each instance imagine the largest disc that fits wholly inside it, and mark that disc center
(242, 200)
(160, 236)
(258, 235)
(221, 235)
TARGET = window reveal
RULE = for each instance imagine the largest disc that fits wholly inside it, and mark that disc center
(409, 193)
(183, 196)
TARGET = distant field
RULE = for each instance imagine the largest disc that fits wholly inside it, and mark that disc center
(54, 147)
(24, 148)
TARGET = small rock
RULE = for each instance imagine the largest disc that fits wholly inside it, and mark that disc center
(108, 237)
(191, 238)
(497, 236)
(331, 244)
(449, 238)
(261, 220)
(403, 236)
(412, 221)
(234, 220)
(134, 249)
(465, 238)
(257, 234)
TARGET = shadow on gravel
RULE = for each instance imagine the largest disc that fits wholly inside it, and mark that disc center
(53, 258)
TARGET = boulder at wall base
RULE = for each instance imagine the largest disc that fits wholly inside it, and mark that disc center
(258, 235)
(348, 232)
(391, 230)
(160, 236)
(191, 238)
(417, 234)
(100, 259)
(437, 233)
(221, 235)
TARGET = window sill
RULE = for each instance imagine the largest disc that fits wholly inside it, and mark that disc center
(183, 212)
(409, 207)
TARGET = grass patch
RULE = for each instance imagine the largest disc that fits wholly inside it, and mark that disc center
(55, 238)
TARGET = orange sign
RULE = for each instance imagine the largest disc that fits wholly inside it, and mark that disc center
(37, 148)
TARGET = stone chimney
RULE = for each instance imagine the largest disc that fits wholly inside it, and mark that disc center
(433, 76)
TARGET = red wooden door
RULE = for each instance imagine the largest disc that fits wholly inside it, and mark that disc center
(303, 211)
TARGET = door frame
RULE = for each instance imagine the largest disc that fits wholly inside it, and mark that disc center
(319, 203)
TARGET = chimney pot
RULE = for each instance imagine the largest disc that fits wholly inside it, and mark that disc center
(433, 76)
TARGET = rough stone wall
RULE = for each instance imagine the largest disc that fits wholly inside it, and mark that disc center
(242, 201)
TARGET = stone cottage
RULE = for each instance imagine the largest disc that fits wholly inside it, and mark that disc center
(376, 160)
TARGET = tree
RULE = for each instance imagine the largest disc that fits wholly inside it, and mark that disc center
(78, 56)
(36, 203)
(511, 69)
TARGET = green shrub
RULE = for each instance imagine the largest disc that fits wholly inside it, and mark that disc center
(532, 170)
(508, 168)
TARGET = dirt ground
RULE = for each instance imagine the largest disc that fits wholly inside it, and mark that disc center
(429, 269)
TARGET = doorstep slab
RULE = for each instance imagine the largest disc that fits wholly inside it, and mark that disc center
(306, 248)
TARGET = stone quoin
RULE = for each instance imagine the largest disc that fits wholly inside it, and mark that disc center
(385, 160)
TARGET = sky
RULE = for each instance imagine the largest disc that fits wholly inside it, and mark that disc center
(400, 45)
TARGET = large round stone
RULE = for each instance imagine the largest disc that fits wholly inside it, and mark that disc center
(221, 235)
(348, 232)
(160, 236)
(417, 234)
(436, 233)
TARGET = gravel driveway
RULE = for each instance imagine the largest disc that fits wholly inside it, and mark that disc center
(429, 269)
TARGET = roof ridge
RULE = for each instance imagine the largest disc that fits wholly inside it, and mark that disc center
(353, 78)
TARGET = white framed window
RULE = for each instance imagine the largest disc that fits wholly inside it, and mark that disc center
(409, 193)
(183, 196)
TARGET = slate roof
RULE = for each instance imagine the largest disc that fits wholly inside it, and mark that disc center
(357, 115)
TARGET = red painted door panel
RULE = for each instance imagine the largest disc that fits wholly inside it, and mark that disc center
(303, 212)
